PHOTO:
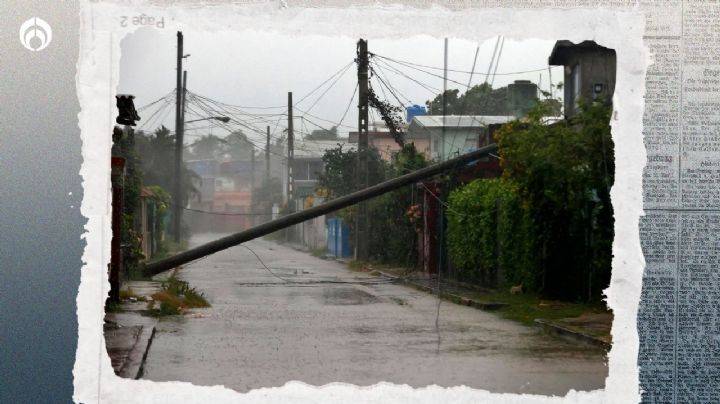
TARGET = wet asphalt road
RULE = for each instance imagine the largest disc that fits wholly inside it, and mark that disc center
(322, 323)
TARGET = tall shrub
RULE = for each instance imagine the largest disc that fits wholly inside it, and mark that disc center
(564, 172)
(488, 233)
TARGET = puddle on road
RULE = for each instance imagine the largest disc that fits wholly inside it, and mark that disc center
(347, 297)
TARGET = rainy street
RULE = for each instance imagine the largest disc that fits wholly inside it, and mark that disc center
(313, 320)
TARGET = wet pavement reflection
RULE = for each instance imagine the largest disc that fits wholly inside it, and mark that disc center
(315, 321)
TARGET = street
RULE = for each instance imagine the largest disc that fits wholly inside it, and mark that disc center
(318, 322)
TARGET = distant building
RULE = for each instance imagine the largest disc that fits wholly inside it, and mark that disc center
(589, 72)
(452, 135)
(308, 164)
(380, 139)
(522, 97)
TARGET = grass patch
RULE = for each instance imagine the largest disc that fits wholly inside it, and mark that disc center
(318, 252)
(527, 307)
(174, 297)
(359, 266)
(128, 294)
(113, 307)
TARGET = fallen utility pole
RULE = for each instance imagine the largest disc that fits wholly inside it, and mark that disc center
(327, 207)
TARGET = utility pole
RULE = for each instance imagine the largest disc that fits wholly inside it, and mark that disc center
(177, 195)
(291, 152)
(252, 169)
(443, 185)
(444, 101)
(267, 158)
(267, 172)
(253, 198)
(361, 250)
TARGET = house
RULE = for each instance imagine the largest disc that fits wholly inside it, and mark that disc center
(379, 138)
(589, 72)
(148, 222)
(207, 170)
(308, 164)
(224, 202)
(452, 135)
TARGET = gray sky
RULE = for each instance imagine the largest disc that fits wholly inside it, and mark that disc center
(257, 69)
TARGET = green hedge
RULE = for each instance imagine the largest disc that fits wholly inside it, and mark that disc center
(489, 234)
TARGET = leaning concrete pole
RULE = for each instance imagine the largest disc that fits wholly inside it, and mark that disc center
(298, 217)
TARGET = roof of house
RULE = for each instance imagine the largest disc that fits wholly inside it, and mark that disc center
(456, 121)
(564, 48)
(315, 148)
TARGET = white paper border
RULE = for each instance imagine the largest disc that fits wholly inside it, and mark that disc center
(97, 79)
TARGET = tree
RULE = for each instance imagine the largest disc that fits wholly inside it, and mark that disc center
(564, 173)
(339, 177)
(207, 147)
(157, 155)
(323, 134)
(393, 228)
(480, 99)
(435, 107)
(238, 147)
(267, 194)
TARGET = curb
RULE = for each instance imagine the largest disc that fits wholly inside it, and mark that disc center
(577, 335)
(132, 368)
(457, 299)
(141, 368)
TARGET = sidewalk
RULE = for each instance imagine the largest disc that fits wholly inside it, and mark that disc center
(128, 333)
(589, 327)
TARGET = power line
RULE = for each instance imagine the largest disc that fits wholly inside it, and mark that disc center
(263, 264)
(352, 97)
(382, 82)
(342, 70)
(328, 89)
(458, 71)
(410, 66)
(158, 112)
(383, 78)
(171, 94)
(229, 129)
(428, 87)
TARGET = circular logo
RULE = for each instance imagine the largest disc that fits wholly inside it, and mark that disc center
(35, 34)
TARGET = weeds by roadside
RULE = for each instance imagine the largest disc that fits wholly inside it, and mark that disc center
(318, 252)
(174, 297)
(525, 308)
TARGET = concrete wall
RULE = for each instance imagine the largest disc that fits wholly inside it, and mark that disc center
(596, 66)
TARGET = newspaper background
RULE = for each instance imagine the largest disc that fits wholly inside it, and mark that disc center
(679, 338)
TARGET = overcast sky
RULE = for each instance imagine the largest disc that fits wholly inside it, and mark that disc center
(257, 69)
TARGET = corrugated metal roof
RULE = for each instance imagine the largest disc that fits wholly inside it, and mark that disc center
(462, 121)
(316, 148)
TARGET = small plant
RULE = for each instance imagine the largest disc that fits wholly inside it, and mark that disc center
(129, 294)
(318, 252)
(174, 297)
(357, 266)
(113, 307)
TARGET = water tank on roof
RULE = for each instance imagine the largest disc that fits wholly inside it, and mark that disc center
(522, 95)
(413, 111)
